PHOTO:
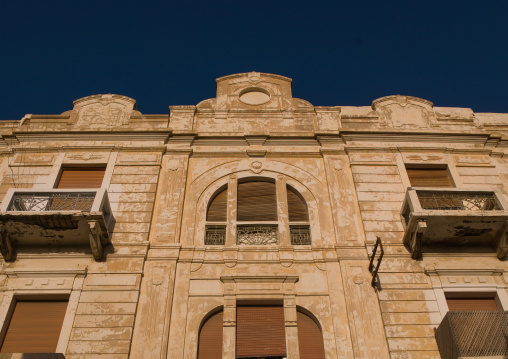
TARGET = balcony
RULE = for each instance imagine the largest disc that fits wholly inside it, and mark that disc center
(55, 218)
(454, 218)
(473, 334)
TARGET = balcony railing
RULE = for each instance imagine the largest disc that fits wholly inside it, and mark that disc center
(31, 218)
(454, 217)
(473, 334)
(458, 201)
(38, 202)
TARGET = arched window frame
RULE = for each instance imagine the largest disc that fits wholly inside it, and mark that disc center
(230, 338)
(227, 232)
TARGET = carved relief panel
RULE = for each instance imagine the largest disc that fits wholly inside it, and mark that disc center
(104, 110)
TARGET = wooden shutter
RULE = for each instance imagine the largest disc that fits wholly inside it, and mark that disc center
(210, 338)
(429, 177)
(310, 339)
(297, 208)
(81, 177)
(465, 304)
(256, 201)
(217, 210)
(34, 327)
(260, 331)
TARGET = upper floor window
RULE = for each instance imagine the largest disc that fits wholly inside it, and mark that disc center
(256, 202)
(258, 219)
(429, 176)
(81, 177)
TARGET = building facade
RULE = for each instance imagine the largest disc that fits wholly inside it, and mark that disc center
(244, 227)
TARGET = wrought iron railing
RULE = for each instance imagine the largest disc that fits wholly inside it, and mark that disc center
(215, 235)
(257, 234)
(473, 334)
(458, 201)
(40, 202)
(300, 235)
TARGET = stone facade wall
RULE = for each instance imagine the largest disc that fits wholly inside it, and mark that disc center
(157, 281)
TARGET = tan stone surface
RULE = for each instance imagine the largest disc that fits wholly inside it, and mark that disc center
(151, 291)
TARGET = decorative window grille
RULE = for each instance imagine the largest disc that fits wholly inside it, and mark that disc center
(215, 235)
(300, 235)
(257, 234)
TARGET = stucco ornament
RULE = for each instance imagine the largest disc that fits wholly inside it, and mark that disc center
(405, 111)
(256, 167)
(254, 77)
(104, 110)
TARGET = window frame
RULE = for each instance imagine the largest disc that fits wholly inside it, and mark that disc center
(431, 166)
(106, 159)
(441, 293)
(232, 223)
(58, 285)
(35, 298)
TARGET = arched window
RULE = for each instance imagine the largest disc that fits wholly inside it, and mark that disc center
(258, 216)
(310, 338)
(216, 218)
(298, 218)
(260, 333)
(210, 337)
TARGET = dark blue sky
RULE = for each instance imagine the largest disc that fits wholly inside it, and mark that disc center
(161, 53)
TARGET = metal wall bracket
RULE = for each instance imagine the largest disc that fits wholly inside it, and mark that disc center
(373, 269)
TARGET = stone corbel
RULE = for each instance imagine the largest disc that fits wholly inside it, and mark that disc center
(415, 244)
(5, 243)
(197, 259)
(95, 239)
(502, 245)
(286, 256)
(230, 257)
(318, 259)
(287, 113)
(221, 114)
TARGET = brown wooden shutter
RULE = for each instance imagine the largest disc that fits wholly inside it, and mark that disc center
(465, 304)
(260, 331)
(217, 210)
(256, 201)
(81, 177)
(34, 327)
(429, 177)
(297, 208)
(310, 339)
(210, 338)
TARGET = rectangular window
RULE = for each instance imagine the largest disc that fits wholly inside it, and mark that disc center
(429, 177)
(256, 202)
(260, 332)
(34, 327)
(81, 177)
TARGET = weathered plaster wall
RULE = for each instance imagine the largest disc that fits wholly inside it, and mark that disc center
(157, 281)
